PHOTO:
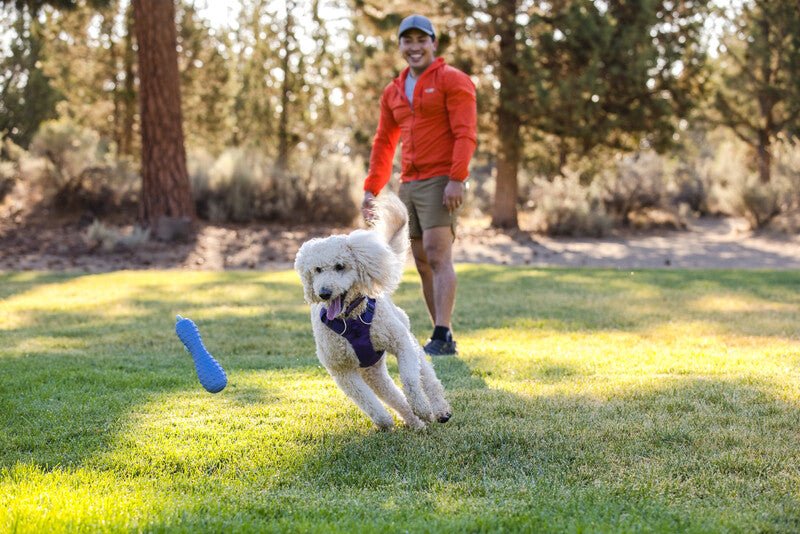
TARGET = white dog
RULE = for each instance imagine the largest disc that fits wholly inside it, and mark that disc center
(348, 280)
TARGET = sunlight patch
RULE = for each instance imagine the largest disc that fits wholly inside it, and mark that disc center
(739, 304)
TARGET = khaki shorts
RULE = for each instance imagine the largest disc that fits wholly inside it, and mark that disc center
(423, 199)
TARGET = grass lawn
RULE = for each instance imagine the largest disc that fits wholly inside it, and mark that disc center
(584, 400)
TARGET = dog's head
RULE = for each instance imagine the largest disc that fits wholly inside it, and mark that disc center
(340, 268)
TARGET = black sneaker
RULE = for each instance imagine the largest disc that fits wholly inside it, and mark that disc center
(437, 347)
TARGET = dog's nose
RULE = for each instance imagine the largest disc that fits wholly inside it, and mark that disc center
(325, 293)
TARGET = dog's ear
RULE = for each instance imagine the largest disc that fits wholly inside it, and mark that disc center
(301, 265)
(379, 269)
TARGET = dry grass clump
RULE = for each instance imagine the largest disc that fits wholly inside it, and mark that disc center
(564, 207)
(735, 189)
(74, 170)
(636, 184)
(70, 168)
(109, 238)
(712, 175)
(243, 185)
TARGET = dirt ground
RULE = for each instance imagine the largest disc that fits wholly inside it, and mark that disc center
(61, 245)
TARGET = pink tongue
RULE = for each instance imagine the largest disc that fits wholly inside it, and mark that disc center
(335, 308)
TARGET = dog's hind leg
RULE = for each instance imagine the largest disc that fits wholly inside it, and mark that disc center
(377, 377)
(360, 393)
(409, 366)
(434, 390)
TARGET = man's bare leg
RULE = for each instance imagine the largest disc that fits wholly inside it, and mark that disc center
(425, 275)
(437, 244)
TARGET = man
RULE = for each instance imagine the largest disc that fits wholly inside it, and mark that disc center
(432, 108)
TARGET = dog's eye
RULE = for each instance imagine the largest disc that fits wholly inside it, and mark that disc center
(318, 269)
(339, 267)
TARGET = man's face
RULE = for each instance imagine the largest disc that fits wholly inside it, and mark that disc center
(418, 49)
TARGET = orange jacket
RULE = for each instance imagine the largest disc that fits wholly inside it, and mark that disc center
(438, 133)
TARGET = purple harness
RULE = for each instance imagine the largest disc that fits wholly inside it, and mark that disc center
(356, 331)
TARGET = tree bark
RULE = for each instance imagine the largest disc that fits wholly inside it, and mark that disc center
(764, 156)
(165, 180)
(282, 160)
(504, 213)
(129, 90)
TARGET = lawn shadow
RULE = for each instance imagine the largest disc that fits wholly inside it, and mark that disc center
(14, 283)
(686, 454)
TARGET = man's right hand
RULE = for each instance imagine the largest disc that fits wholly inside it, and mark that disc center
(368, 207)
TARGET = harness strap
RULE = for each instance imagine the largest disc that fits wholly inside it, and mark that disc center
(356, 331)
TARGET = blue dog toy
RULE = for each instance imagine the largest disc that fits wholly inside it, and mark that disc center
(211, 374)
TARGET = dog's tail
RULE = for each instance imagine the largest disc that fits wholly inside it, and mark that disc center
(392, 222)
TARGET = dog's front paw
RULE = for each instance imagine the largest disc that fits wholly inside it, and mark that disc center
(384, 423)
(413, 422)
(441, 409)
(416, 424)
(423, 412)
(419, 404)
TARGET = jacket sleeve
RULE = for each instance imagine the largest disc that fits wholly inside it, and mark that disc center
(383, 148)
(463, 114)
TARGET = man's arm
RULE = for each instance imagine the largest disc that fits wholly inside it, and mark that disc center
(463, 116)
(462, 112)
(383, 146)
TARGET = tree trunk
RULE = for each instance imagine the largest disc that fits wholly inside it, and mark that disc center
(764, 156)
(165, 181)
(504, 213)
(282, 160)
(129, 91)
(562, 156)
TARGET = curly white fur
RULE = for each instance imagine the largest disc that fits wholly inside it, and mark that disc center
(339, 269)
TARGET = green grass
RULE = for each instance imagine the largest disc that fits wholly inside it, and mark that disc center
(584, 401)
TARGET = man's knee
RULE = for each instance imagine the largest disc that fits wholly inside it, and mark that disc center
(438, 256)
(437, 262)
(419, 255)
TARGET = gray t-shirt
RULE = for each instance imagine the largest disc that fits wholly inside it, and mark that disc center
(411, 83)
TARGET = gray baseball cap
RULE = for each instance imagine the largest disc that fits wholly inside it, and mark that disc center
(416, 22)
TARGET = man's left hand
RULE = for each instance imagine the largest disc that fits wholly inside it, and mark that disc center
(453, 195)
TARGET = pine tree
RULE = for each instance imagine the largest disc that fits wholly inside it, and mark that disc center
(27, 98)
(618, 74)
(509, 118)
(165, 180)
(206, 94)
(759, 94)
(81, 56)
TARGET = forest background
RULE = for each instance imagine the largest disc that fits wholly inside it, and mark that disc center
(593, 114)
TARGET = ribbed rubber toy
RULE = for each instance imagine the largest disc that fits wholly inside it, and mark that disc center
(210, 373)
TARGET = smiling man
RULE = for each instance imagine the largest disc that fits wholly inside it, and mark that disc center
(431, 108)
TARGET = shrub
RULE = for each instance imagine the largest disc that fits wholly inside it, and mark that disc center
(636, 184)
(726, 172)
(564, 207)
(8, 178)
(736, 190)
(69, 148)
(77, 174)
(242, 185)
(689, 191)
(760, 203)
(109, 238)
(333, 192)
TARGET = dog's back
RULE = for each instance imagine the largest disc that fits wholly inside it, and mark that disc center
(392, 222)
